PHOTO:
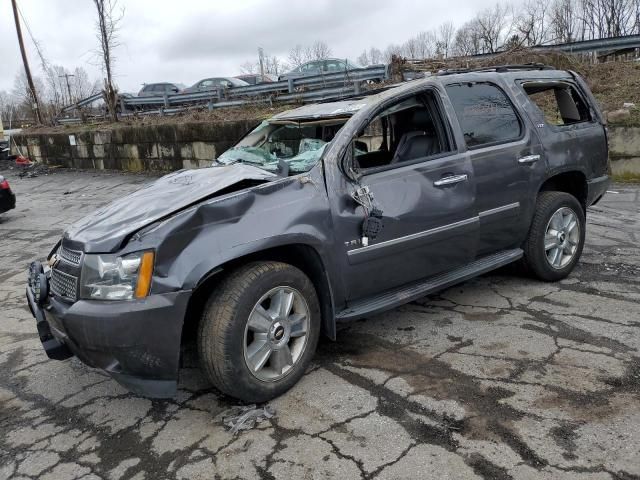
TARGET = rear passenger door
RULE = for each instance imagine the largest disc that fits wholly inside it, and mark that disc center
(569, 129)
(507, 160)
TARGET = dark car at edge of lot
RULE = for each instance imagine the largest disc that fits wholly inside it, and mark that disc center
(327, 213)
(7, 197)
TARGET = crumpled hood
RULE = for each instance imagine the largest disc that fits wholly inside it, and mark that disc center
(105, 229)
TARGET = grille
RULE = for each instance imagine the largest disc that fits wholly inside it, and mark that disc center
(63, 284)
(70, 256)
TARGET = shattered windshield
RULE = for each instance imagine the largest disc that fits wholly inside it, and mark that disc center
(299, 144)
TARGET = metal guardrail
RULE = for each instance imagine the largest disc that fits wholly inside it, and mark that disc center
(305, 89)
(611, 44)
(598, 45)
(82, 103)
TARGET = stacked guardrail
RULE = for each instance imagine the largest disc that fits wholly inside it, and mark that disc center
(304, 89)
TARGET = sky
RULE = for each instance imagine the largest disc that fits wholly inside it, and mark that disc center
(187, 40)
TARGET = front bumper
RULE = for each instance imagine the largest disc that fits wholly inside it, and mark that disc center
(137, 342)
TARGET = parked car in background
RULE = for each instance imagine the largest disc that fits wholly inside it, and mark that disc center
(7, 197)
(322, 214)
(154, 89)
(318, 67)
(214, 83)
(255, 78)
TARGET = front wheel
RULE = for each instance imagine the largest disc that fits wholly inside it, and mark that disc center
(556, 236)
(259, 331)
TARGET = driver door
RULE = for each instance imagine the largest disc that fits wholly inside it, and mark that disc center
(425, 189)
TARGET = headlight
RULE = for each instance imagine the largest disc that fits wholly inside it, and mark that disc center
(110, 277)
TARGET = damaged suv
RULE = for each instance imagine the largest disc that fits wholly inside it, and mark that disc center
(322, 214)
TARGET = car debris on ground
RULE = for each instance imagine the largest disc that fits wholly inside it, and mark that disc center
(246, 417)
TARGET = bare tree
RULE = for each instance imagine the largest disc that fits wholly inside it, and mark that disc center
(297, 56)
(426, 44)
(109, 17)
(492, 23)
(532, 22)
(467, 40)
(410, 48)
(7, 108)
(375, 56)
(563, 20)
(363, 58)
(249, 67)
(391, 51)
(445, 37)
(320, 50)
(82, 86)
(274, 65)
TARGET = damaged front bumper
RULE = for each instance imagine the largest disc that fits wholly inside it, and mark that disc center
(136, 342)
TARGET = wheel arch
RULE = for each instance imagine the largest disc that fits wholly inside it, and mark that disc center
(300, 255)
(573, 182)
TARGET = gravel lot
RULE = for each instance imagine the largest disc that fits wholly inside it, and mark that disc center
(500, 377)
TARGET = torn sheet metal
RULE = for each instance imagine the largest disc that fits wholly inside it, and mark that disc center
(246, 417)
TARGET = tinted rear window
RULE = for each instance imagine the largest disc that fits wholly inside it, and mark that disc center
(485, 114)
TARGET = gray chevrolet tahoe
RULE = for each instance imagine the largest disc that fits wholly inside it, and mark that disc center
(323, 214)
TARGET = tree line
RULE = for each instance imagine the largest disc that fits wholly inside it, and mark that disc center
(500, 27)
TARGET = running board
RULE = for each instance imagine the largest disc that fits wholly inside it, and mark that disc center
(413, 291)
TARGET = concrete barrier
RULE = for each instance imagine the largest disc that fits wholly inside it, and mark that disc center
(163, 147)
(624, 150)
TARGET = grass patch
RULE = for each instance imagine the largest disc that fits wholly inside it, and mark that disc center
(626, 177)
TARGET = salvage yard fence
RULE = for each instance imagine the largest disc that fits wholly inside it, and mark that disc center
(303, 90)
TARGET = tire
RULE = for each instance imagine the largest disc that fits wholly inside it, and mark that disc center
(548, 262)
(228, 343)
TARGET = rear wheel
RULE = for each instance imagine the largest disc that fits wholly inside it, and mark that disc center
(259, 331)
(556, 236)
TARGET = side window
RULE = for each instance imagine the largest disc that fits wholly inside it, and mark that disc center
(408, 131)
(559, 102)
(158, 88)
(485, 114)
(334, 66)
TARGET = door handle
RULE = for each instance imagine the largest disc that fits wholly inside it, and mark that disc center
(528, 159)
(451, 180)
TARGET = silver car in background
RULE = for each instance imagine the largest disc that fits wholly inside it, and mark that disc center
(155, 89)
(318, 67)
(214, 83)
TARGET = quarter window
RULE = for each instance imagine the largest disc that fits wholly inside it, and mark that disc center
(559, 103)
(485, 114)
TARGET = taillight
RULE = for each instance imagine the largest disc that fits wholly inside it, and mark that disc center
(4, 185)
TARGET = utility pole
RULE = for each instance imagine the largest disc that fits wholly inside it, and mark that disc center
(66, 77)
(27, 71)
(261, 58)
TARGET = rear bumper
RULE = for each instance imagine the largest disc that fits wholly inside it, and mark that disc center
(136, 342)
(596, 188)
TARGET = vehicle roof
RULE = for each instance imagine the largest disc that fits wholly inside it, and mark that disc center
(342, 108)
(348, 107)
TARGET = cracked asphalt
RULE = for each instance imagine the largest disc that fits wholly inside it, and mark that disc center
(500, 377)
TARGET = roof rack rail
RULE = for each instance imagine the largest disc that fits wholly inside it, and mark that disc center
(362, 94)
(498, 68)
